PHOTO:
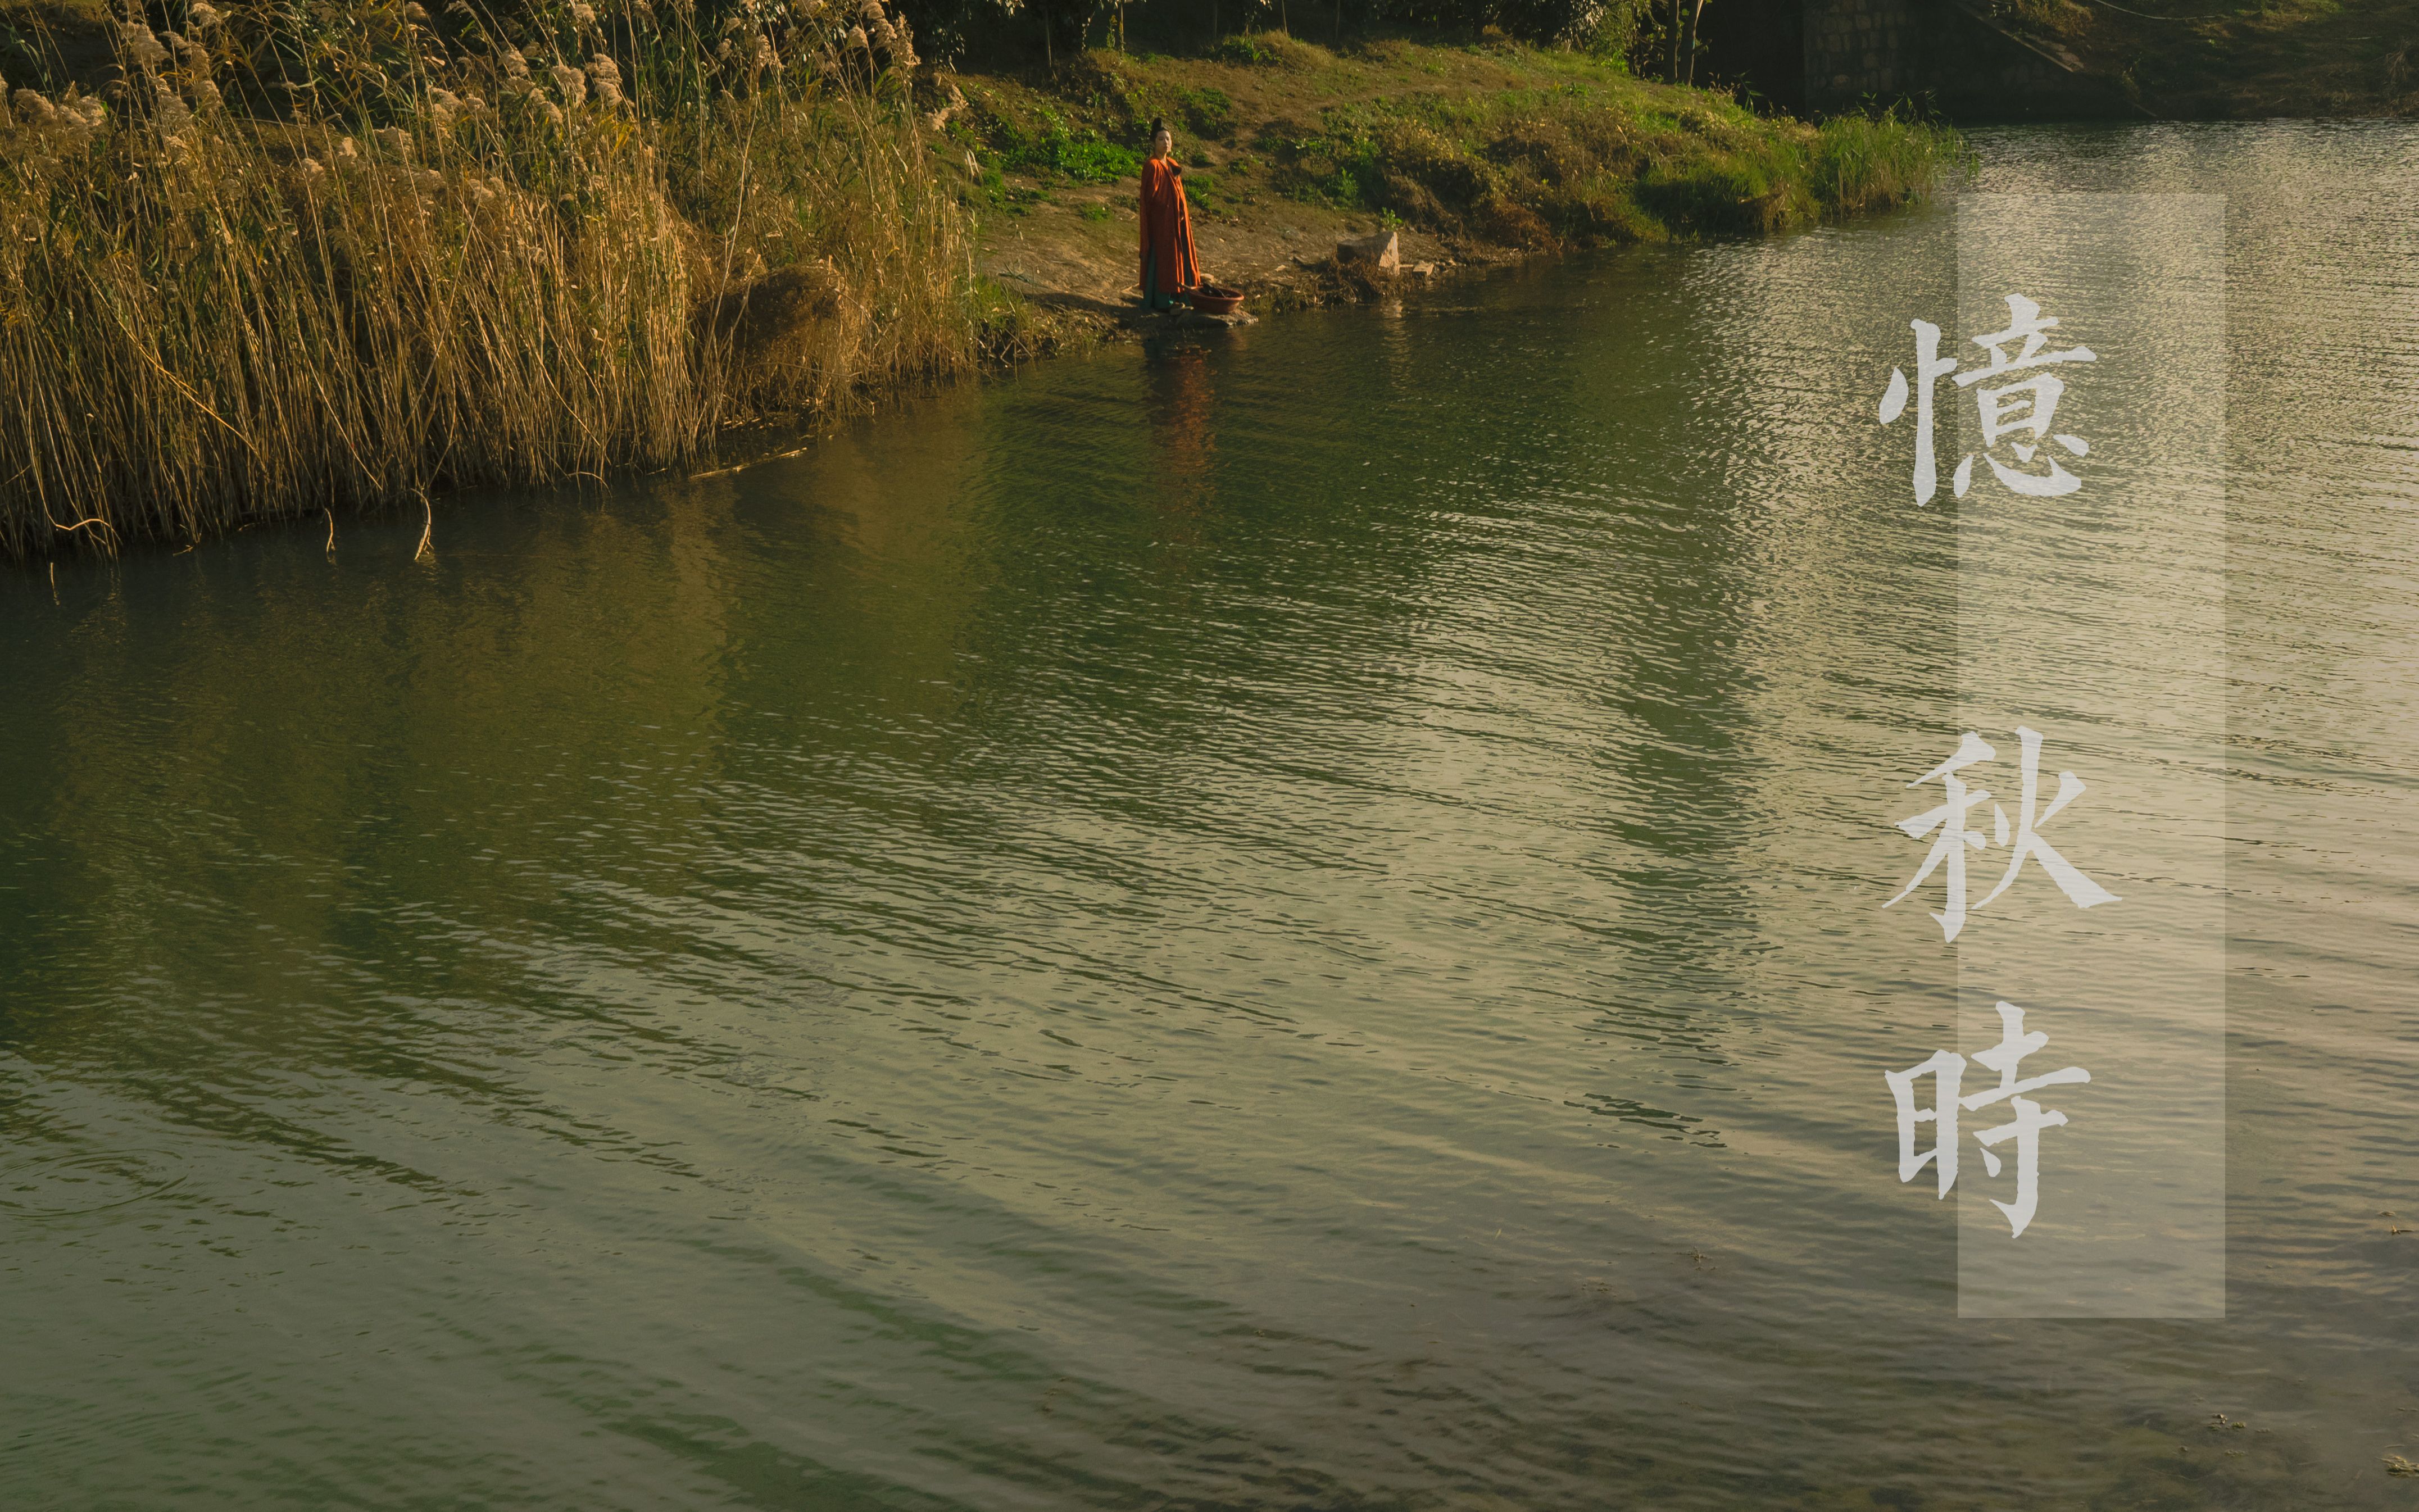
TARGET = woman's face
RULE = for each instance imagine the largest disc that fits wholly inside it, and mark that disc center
(1161, 143)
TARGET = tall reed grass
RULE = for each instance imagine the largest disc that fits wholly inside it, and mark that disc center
(304, 259)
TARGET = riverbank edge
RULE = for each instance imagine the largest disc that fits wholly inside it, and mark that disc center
(1057, 328)
(1288, 245)
(1685, 133)
(1475, 153)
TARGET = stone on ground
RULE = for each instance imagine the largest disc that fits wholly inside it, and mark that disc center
(1384, 249)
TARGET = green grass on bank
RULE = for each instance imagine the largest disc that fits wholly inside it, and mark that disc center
(1493, 142)
(1589, 165)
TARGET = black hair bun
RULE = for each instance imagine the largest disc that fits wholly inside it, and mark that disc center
(1158, 124)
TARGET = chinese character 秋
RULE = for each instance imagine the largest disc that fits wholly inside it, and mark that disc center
(2080, 890)
(1947, 852)
(1954, 836)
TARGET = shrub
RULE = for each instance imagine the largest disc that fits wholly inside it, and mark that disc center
(1249, 50)
(1208, 112)
(1579, 164)
(1719, 195)
(1271, 50)
(1874, 163)
(1060, 151)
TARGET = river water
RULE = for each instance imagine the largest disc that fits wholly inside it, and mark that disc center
(1286, 921)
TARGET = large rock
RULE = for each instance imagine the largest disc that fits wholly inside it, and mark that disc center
(1382, 252)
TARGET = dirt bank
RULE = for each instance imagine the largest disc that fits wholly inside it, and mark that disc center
(1474, 154)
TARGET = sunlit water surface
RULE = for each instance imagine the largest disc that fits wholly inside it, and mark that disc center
(1284, 922)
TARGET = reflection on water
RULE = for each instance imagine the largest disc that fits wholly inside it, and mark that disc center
(1288, 922)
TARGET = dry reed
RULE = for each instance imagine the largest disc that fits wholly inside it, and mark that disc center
(282, 270)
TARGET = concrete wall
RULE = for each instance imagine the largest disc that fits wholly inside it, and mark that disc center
(1942, 52)
(1856, 48)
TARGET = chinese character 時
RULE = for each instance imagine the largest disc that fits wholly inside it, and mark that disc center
(2017, 411)
(2024, 1128)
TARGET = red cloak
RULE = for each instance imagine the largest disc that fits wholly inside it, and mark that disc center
(1166, 229)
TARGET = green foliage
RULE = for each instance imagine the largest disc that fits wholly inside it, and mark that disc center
(1248, 50)
(1094, 131)
(989, 185)
(1081, 160)
(1535, 21)
(1869, 162)
(1584, 163)
(1119, 94)
(1040, 141)
(1060, 27)
(1726, 193)
(1208, 112)
(1114, 91)
(1273, 50)
(1205, 190)
(1615, 35)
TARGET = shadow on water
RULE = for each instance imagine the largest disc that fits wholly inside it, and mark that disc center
(1268, 922)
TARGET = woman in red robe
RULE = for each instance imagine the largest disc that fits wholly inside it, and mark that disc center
(1168, 268)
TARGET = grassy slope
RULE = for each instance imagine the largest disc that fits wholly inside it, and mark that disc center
(1476, 153)
(2245, 58)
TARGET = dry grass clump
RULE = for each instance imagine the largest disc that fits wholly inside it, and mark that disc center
(350, 255)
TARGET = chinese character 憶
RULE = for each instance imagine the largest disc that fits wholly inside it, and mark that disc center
(1948, 1069)
(2019, 411)
(2022, 841)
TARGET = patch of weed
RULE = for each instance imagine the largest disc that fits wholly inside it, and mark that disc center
(1248, 51)
(1206, 192)
(1577, 163)
(1050, 147)
(1271, 50)
(1208, 112)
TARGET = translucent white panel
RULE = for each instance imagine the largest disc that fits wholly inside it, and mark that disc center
(2091, 556)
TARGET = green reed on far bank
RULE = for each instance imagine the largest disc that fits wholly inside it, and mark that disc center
(302, 260)
(1611, 160)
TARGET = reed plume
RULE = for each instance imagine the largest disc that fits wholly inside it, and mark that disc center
(300, 262)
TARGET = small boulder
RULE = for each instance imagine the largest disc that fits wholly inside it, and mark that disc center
(1382, 251)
